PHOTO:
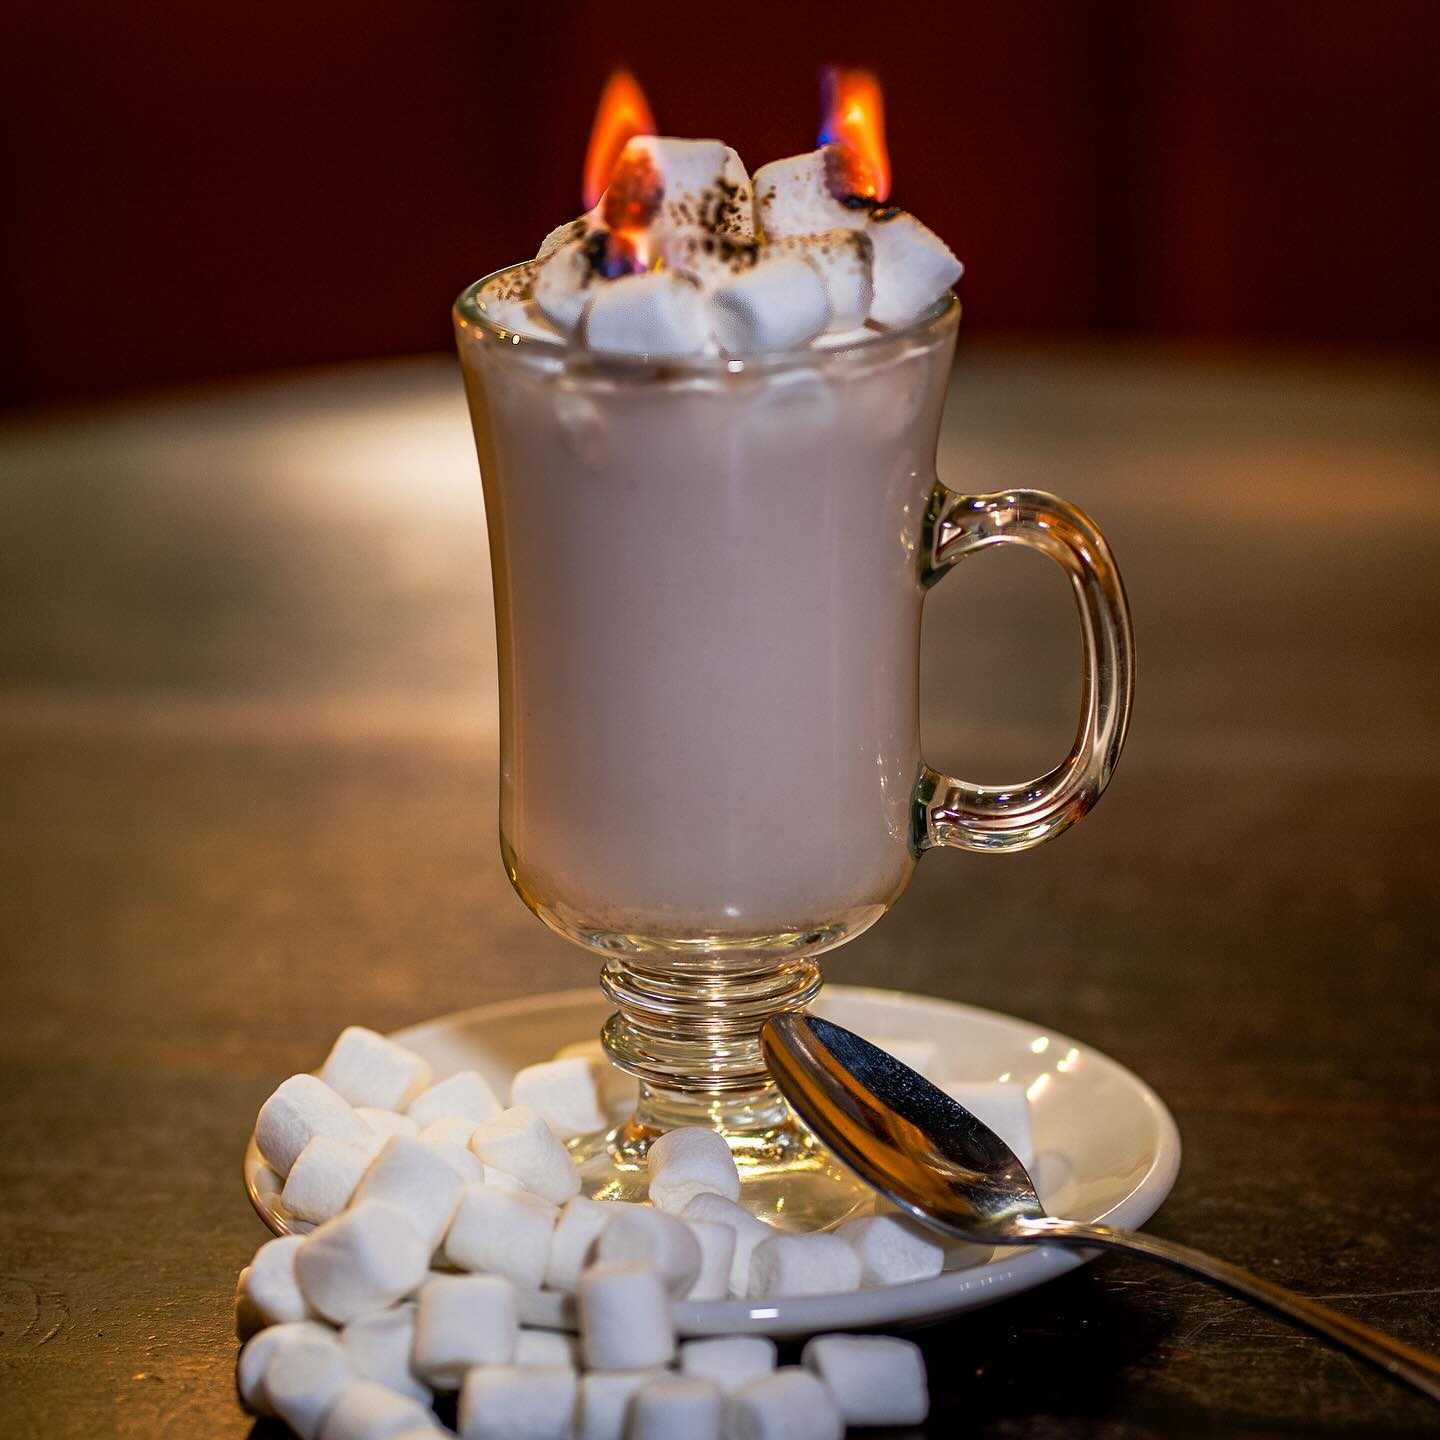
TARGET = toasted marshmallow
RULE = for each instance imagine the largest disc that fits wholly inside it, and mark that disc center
(561, 234)
(804, 195)
(509, 301)
(561, 288)
(912, 267)
(777, 304)
(662, 184)
(652, 314)
(842, 258)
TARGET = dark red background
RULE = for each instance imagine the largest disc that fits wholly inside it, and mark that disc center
(193, 190)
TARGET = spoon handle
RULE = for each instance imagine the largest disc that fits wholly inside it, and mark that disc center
(1404, 1362)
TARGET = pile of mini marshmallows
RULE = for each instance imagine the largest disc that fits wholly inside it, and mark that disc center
(437, 1211)
(685, 254)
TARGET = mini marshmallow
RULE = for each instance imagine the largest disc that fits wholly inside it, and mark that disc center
(271, 1291)
(1001, 1105)
(248, 1319)
(465, 1093)
(369, 1411)
(460, 1321)
(412, 1178)
(791, 1404)
(873, 1379)
(842, 260)
(920, 1055)
(378, 1347)
(257, 1352)
(365, 1068)
(794, 197)
(364, 1259)
(536, 1348)
(639, 1233)
(729, 1360)
(912, 267)
(303, 1379)
(654, 313)
(675, 1406)
(778, 303)
(519, 1142)
(563, 1094)
(573, 1243)
(803, 1265)
(749, 1232)
(625, 1319)
(893, 1249)
(301, 1108)
(688, 1162)
(323, 1178)
(615, 1086)
(502, 1232)
(717, 1254)
(386, 1123)
(503, 1402)
(703, 186)
(508, 301)
(604, 1402)
(564, 286)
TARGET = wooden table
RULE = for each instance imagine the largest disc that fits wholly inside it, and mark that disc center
(247, 795)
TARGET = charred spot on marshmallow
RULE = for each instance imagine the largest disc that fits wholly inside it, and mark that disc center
(881, 213)
(610, 256)
(518, 284)
(848, 178)
(736, 255)
(723, 208)
(635, 193)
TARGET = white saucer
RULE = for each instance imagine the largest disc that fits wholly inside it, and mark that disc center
(1106, 1147)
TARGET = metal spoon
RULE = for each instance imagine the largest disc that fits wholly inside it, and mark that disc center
(932, 1157)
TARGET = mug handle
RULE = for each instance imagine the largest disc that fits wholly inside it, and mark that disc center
(1017, 817)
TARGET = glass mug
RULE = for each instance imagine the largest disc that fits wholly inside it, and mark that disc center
(708, 577)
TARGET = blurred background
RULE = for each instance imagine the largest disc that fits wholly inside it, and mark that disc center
(193, 191)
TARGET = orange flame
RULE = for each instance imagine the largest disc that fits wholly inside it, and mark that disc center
(622, 112)
(854, 118)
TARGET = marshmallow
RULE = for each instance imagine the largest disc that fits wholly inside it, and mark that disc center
(386, 1123)
(841, 258)
(378, 1347)
(573, 1243)
(460, 1321)
(749, 1232)
(534, 1348)
(655, 313)
(561, 235)
(412, 1178)
(448, 1130)
(502, 1232)
(562, 288)
(563, 1094)
(778, 303)
(257, 1353)
(364, 1259)
(920, 1055)
(303, 1379)
(508, 302)
(803, 1265)
(675, 1406)
(489, 1175)
(794, 196)
(368, 1411)
(1001, 1105)
(465, 1093)
(365, 1068)
(248, 1319)
(616, 1088)
(519, 1142)
(270, 1290)
(323, 1178)
(299, 1110)
(604, 1402)
(625, 1321)
(791, 1404)
(663, 184)
(503, 1402)
(467, 1165)
(717, 1254)
(639, 1233)
(873, 1379)
(893, 1249)
(912, 267)
(730, 1360)
(688, 1162)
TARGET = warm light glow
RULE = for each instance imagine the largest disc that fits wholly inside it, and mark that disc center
(623, 111)
(854, 117)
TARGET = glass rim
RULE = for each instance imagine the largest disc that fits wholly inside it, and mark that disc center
(875, 343)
